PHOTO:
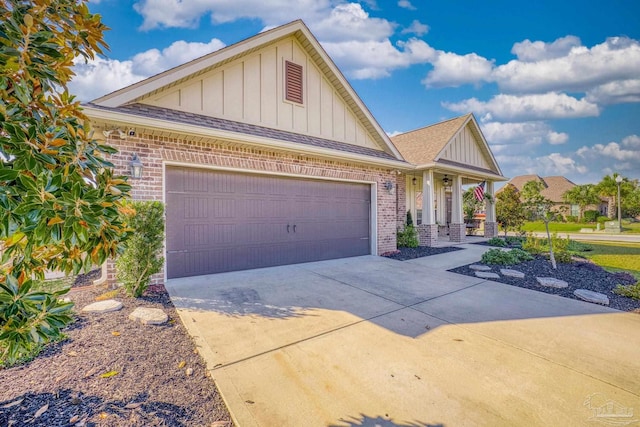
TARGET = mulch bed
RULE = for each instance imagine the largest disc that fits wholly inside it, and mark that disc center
(149, 383)
(579, 275)
(404, 254)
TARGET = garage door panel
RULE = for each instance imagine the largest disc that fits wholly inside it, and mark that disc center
(226, 221)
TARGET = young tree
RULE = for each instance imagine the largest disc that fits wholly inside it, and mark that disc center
(583, 196)
(539, 206)
(59, 199)
(509, 210)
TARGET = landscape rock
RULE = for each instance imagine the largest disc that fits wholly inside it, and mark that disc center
(103, 306)
(512, 273)
(552, 282)
(149, 316)
(487, 275)
(480, 267)
(591, 296)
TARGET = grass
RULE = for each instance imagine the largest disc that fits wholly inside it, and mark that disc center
(575, 227)
(614, 256)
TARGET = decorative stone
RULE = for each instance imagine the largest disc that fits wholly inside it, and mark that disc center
(149, 316)
(103, 306)
(487, 275)
(480, 267)
(189, 372)
(512, 273)
(552, 282)
(591, 296)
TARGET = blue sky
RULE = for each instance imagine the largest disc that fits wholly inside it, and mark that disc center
(555, 85)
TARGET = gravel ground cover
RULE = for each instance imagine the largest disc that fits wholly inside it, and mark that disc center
(579, 275)
(112, 371)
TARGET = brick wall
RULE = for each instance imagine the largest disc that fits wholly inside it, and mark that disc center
(153, 151)
(401, 200)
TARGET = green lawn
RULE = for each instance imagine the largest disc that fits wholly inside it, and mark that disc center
(575, 227)
(615, 256)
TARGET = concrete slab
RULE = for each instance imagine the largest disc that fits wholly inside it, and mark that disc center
(372, 341)
(470, 254)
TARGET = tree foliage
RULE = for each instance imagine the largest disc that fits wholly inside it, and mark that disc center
(583, 196)
(59, 198)
(509, 210)
(540, 207)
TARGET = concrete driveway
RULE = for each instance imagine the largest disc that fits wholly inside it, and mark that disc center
(370, 341)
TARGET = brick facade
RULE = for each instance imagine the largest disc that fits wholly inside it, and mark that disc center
(428, 234)
(490, 229)
(401, 199)
(457, 232)
(155, 151)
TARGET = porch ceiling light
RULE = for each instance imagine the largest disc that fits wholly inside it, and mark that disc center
(414, 180)
(446, 181)
(135, 167)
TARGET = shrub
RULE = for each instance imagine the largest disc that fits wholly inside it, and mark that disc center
(533, 245)
(520, 256)
(514, 240)
(500, 257)
(571, 218)
(630, 291)
(142, 254)
(29, 320)
(497, 241)
(575, 246)
(409, 221)
(407, 237)
(590, 216)
(602, 219)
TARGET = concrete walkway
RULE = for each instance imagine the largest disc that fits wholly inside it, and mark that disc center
(370, 341)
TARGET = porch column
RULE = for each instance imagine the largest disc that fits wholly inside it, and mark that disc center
(490, 224)
(457, 228)
(428, 230)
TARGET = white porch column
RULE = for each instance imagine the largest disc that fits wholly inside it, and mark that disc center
(428, 230)
(428, 190)
(490, 224)
(457, 228)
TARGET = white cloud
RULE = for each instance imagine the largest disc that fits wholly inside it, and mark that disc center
(406, 4)
(580, 69)
(417, 28)
(547, 165)
(613, 156)
(394, 133)
(528, 51)
(451, 69)
(528, 133)
(372, 59)
(528, 107)
(350, 22)
(632, 141)
(612, 150)
(101, 76)
(616, 92)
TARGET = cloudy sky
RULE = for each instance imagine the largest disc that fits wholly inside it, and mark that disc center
(555, 85)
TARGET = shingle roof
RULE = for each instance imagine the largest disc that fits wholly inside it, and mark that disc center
(241, 128)
(422, 146)
(554, 186)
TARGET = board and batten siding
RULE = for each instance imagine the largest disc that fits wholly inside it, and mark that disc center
(251, 89)
(465, 149)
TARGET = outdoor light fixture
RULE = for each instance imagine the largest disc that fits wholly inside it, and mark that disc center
(135, 167)
(389, 186)
(619, 181)
(414, 180)
(446, 181)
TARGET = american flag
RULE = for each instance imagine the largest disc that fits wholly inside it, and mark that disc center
(479, 191)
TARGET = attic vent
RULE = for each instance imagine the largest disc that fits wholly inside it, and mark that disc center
(293, 82)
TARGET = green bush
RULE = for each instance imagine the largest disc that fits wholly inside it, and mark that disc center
(514, 240)
(590, 216)
(500, 257)
(533, 245)
(497, 241)
(520, 256)
(29, 320)
(602, 219)
(631, 291)
(409, 221)
(571, 218)
(407, 237)
(142, 254)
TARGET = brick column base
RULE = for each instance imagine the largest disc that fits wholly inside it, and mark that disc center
(428, 234)
(490, 229)
(457, 232)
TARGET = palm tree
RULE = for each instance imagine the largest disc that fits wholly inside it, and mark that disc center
(583, 196)
(608, 188)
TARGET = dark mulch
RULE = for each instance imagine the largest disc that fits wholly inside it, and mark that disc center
(404, 254)
(63, 386)
(579, 275)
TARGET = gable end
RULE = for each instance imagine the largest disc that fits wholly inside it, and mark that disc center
(293, 82)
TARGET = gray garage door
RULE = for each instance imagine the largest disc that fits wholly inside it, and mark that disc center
(224, 221)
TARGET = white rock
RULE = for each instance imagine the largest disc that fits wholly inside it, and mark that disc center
(149, 316)
(480, 267)
(512, 273)
(591, 296)
(487, 275)
(552, 282)
(103, 306)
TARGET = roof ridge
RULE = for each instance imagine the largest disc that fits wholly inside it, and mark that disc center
(433, 124)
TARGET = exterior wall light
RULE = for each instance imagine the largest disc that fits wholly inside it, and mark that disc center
(135, 167)
(389, 186)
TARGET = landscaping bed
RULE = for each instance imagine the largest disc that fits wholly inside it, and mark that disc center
(404, 254)
(112, 371)
(579, 275)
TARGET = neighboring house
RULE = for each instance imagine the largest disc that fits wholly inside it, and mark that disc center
(445, 157)
(554, 189)
(264, 155)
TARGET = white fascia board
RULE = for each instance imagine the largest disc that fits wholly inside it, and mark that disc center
(462, 171)
(202, 131)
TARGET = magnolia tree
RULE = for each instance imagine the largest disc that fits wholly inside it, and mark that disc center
(59, 199)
